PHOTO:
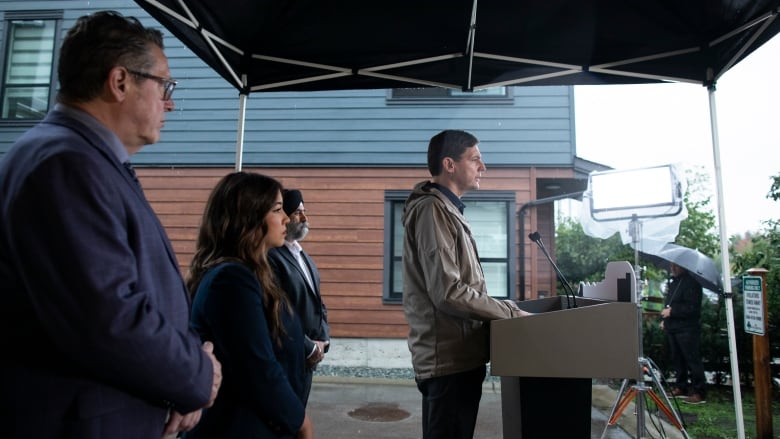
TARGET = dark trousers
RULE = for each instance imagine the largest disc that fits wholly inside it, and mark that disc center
(686, 357)
(450, 404)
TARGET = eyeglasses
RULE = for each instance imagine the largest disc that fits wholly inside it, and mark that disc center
(168, 84)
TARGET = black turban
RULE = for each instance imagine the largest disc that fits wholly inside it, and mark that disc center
(291, 199)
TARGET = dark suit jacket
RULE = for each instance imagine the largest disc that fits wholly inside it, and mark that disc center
(684, 296)
(263, 382)
(95, 318)
(307, 301)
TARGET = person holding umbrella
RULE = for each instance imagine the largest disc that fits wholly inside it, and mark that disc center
(682, 324)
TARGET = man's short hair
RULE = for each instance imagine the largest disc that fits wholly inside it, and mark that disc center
(96, 44)
(448, 143)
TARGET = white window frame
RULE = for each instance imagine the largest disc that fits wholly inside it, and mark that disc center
(28, 75)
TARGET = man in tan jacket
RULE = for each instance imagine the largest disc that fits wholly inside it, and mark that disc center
(445, 299)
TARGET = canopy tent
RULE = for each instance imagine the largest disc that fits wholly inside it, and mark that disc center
(276, 45)
(305, 45)
(261, 45)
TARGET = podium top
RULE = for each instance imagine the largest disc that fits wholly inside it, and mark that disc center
(597, 339)
(619, 284)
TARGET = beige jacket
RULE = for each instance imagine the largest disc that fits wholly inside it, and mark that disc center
(445, 299)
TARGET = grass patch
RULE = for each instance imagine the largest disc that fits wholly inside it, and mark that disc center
(716, 419)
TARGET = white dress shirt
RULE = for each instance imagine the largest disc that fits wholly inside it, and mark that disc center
(296, 250)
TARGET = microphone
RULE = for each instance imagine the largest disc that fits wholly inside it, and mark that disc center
(567, 290)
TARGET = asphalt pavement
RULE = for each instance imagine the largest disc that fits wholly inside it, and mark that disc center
(375, 408)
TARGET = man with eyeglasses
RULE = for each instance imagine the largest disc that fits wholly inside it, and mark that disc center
(95, 313)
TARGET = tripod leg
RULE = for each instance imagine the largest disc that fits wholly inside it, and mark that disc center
(665, 405)
(622, 405)
(667, 410)
(623, 387)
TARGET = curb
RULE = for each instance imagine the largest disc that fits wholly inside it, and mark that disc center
(329, 379)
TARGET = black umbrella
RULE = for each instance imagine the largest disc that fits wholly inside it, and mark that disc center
(699, 265)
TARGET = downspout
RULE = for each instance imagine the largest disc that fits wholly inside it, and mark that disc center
(521, 226)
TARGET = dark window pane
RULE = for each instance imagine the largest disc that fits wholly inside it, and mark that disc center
(28, 69)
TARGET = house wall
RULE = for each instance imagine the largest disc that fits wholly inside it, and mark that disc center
(343, 149)
(534, 127)
(346, 210)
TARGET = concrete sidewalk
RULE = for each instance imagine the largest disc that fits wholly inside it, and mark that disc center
(376, 408)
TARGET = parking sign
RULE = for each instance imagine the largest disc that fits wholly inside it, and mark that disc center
(753, 295)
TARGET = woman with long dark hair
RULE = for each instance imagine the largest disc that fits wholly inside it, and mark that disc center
(238, 306)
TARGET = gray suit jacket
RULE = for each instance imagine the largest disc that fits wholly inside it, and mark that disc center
(306, 301)
(95, 315)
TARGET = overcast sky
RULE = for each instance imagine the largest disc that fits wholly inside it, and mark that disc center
(636, 126)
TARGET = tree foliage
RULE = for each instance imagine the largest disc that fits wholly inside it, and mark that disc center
(774, 190)
(761, 251)
(699, 229)
(584, 258)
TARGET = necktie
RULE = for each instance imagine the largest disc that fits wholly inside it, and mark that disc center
(129, 167)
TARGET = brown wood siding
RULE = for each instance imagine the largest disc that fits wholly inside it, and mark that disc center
(345, 207)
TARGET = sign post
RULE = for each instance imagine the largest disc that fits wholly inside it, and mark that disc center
(754, 291)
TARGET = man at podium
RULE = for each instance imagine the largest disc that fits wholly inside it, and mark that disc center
(445, 299)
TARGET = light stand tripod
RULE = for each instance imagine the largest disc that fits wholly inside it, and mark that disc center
(645, 365)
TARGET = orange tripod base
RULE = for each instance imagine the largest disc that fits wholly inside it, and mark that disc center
(630, 394)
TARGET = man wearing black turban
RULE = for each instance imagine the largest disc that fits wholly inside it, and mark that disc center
(298, 277)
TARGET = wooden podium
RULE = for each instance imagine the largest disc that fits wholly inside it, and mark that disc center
(547, 361)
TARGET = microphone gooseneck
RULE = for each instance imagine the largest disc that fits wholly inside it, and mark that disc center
(567, 290)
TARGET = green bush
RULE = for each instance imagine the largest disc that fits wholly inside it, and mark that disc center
(714, 342)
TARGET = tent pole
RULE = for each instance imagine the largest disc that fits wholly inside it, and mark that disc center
(726, 266)
(470, 46)
(240, 130)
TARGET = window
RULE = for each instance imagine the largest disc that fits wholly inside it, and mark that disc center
(490, 215)
(28, 65)
(445, 96)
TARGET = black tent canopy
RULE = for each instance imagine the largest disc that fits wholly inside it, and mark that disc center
(307, 45)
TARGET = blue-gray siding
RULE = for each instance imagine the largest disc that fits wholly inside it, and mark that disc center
(334, 128)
